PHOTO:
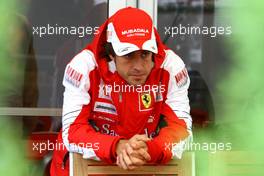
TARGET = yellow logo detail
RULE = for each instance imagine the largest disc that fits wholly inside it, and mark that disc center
(146, 100)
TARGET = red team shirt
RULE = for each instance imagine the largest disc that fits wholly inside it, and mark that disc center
(100, 108)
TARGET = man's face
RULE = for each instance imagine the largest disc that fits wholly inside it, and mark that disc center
(134, 67)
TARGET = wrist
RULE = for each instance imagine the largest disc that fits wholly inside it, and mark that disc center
(120, 145)
(114, 148)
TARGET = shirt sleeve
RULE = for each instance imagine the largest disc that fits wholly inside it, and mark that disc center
(176, 127)
(78, 135)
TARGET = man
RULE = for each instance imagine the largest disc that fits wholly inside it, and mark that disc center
(125, 98)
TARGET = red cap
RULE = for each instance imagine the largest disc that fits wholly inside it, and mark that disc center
(131, 29)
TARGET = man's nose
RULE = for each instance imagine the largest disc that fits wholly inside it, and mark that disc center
(138, 64)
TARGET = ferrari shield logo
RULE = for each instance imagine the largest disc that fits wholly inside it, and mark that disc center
(146, 100)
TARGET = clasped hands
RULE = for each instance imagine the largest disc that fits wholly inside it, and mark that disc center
(132, 153)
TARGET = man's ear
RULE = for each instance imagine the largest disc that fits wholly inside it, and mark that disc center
(111, 57)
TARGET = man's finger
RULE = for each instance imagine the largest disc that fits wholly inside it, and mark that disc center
(137, 144)
(140, 137)
(142, 152)
(127, 160)
(138, 141)
(117, 161)
(122, 162)
(131, 152)
(129, 149)
(137, 162)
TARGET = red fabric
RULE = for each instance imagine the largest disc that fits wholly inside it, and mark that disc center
(38, 143)
(135, 31)
(130, 118)
(58, 168)
(160, 147)
(91, 137)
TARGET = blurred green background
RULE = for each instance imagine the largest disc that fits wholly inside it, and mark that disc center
(12, 148)
(241, 88)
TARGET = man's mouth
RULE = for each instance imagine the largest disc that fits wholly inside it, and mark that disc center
(137, 77)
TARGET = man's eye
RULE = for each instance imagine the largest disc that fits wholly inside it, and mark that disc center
(145, 54)
(127, 55)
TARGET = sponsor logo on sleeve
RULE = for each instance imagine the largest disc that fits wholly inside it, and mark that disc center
(73, 77)
(181, 78)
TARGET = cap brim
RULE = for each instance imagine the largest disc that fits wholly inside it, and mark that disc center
(122, 48)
